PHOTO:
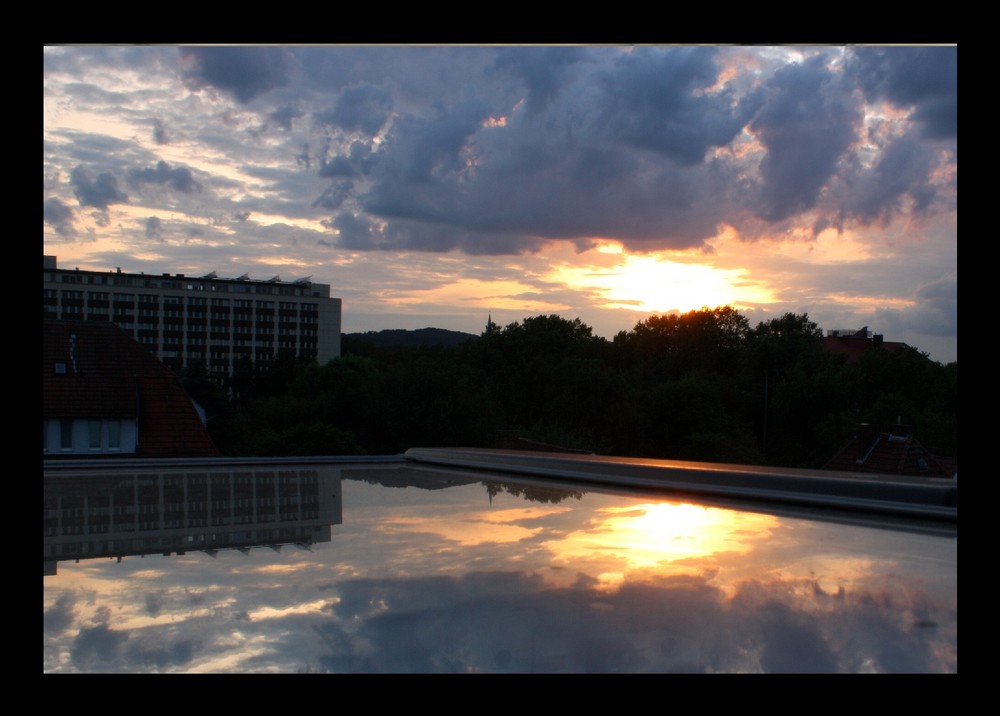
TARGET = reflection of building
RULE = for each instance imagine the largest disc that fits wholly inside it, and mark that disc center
(135, 514)
(214, 321)
(103, 395)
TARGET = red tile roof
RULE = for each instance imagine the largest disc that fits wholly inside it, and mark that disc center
(891, 452)
(93, 369)
(855, 347)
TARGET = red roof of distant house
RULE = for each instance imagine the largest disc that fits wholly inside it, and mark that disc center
(890, 452)
(855, 346)
(104, 373)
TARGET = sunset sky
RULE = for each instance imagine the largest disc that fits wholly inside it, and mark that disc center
(439, 185)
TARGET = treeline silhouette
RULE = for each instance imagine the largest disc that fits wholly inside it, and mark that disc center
(703, 385)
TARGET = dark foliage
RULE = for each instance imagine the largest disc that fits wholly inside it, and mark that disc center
(702, 386)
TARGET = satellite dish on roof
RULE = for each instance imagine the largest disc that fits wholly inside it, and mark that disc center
(307, 279)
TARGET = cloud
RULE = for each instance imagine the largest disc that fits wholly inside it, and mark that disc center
(922, 78)
(96, 647)
(283, 116)
(160, 652)
(59, 618)
(179, 178)
(358, 161)
(806, 123)
(904, 169)
(934, 314)
(661, 100)
(160, 135)
(58, 216)
(153, 227)
(154, 603)
(544, 70)
(363, 108)
(334, 195)
(354, 231)
(99, 191)
(663, 625)
(245, 72)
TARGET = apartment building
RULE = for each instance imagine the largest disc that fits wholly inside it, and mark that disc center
(219, 322)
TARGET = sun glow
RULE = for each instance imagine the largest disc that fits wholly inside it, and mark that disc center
(655, 535)
(653, 283)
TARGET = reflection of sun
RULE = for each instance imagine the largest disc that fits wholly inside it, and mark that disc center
(658, 535)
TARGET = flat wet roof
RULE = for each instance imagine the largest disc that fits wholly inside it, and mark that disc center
(424, 565)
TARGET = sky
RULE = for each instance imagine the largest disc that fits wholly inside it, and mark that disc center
(439, 186)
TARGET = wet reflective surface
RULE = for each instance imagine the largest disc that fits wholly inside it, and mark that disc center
(409, 569)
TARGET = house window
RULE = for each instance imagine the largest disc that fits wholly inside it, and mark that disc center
(114, 435)
(66, 434)
(94, 427)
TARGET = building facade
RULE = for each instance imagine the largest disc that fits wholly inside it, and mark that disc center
(221, 323)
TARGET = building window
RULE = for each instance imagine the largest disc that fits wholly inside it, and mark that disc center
(94, 427)
(66, 434)
(114, 435)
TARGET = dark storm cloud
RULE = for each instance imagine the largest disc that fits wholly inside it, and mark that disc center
(582, 169)
(334, 195)
(421, 152)
(544, 70)
(355, 232)
(362, 108)
(246, 72)
(358, 161)
(903, 170)
(807, 122)
(180, 178)
(99, 191)
(656, 100)
(58, 216)
(924, 78)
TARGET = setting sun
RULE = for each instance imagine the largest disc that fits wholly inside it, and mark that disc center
(653, 283)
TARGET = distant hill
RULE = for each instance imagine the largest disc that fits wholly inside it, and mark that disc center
(402, 337)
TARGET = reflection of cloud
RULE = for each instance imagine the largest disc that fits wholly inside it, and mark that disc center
(478, 528)
(97, 647)
(59, 617)
(513, 622)
(154, 604)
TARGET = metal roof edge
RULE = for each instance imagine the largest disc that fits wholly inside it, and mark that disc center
(885, 494)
